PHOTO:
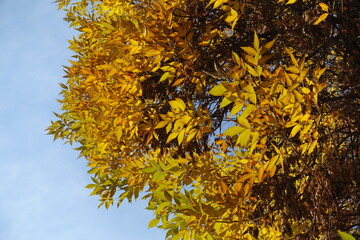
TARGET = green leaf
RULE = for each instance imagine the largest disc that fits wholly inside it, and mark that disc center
(153, 222)
(90, 186)
(158, 175)
(148, 170)
(161, 207)
(345, 236)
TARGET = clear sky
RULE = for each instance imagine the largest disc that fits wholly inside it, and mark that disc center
(42, 194)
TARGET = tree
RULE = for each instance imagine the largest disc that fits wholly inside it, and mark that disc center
(238, 119)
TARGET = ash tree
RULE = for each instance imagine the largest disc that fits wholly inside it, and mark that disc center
(235, 119)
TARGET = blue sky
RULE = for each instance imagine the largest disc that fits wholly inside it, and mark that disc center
(42, 194)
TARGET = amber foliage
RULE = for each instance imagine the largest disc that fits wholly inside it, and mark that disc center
(237, 119)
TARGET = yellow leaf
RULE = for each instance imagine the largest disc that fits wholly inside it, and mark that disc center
(185, 119)
(232, 15)
(249, 50)
(224, 187)
(293, 59)
(168, 128)
(182, 160)
(112, 72)
(172, 136)
(164, 77)
(105, 67)
(181, 103)
(267, 47)
(254, 141)
(252, 95)
(243, 122)
(291, 1)
(273, 161)
(320, 87)
(236, 57)
(256, 42)
(321, 18)
(210, 35)
(304, 72)
(243, 138)
(88, 30)
(248, 169)
(319, 72)
(299, 97)
(191, 135)
(261, 174)
(153, 222)
(295, 130)
(272, 171)
(234, 130)
(237, 187)
(236, 108)
(245, 177)
(234, 23)
(312, 146)
(324, 7)
(305, 130)
(277, 150)
(107, 25)
(305, 90)
(152, 53)
(218, 90)
(177, 104)
(178, 126)
(218, 3)
(161, 124)
(293, 69)
(181, 135)
(265, 58)
(225, 102)
(177, 82)
(252, 71)
(248, 110)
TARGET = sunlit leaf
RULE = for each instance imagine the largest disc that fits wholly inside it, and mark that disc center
(345, 236)
(321, 18)
(324, 7)
(218, 90)
(234, 130)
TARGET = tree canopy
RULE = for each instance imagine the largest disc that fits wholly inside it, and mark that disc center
(238, 119)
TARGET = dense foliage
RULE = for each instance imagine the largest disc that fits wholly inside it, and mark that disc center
(239, 119)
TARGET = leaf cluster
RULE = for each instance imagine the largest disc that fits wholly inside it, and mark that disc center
(238, 119)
